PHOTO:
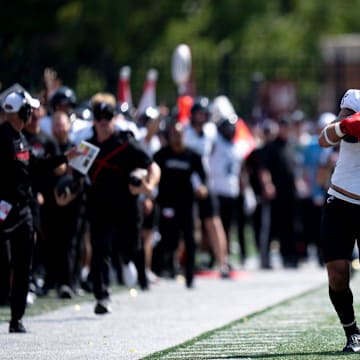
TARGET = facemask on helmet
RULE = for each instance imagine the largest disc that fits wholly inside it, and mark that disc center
(200, 110)
(227, 127)
(63, 96)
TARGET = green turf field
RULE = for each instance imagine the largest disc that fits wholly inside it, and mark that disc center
(303, 328)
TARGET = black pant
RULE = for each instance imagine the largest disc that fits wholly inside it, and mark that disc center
(16, 247)
(261, 222)
(171, 227)
(60, 227)
(283, 227)
(311, 216)
(111, 239)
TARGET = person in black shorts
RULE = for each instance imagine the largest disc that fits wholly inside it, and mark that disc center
(199, 135)
(340, 226)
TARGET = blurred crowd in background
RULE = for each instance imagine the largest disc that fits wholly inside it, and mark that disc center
(230, 193)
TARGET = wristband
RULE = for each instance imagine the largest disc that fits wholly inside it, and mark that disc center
(338, 131)
(333, 143)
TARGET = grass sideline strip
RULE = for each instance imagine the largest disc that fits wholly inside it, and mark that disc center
(302, 328)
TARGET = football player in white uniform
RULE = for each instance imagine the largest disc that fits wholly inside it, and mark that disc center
(200, 135)
(340, 226)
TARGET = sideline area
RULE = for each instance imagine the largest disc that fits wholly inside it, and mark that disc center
(143, 323)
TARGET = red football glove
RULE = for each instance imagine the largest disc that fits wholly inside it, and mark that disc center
(351, 125)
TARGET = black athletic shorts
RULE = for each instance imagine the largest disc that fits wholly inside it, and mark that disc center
(208, 207)
(150, 220)
(340, 227)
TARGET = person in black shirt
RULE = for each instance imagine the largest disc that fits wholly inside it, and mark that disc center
(42, 184)
(277, 176)
(113, 205)
(176, 198)
(16, 221)
(65, 239)
(261, 218)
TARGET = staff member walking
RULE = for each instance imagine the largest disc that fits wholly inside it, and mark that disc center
(16, 222)
(113, 206)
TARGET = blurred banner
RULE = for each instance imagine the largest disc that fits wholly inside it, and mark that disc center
(124, 92)
(280, 99)
(148, 97)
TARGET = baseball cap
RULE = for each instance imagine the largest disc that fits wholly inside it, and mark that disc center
(16, 99)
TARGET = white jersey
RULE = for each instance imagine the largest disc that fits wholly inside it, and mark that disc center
(150, 147)
(346, 174)
(201, 144)
(87, 132)
(83, 134)
(225, 165)
(45, 125)
(347, 171)
(77, 125)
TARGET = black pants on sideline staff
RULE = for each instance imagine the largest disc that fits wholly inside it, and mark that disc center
(111, 239)
(16, 248)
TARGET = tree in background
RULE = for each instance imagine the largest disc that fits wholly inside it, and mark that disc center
(230, 40)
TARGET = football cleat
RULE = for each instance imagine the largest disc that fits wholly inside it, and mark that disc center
(353, 343)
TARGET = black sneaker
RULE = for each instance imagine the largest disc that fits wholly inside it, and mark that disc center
(16, 326)
(225, 271)
(353, 343)
(102, 307)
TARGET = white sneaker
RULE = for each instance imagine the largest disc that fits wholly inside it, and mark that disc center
(152, 278)
(129, 274)
(30, 298)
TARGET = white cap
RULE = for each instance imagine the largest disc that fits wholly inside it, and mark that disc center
(14, 100)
